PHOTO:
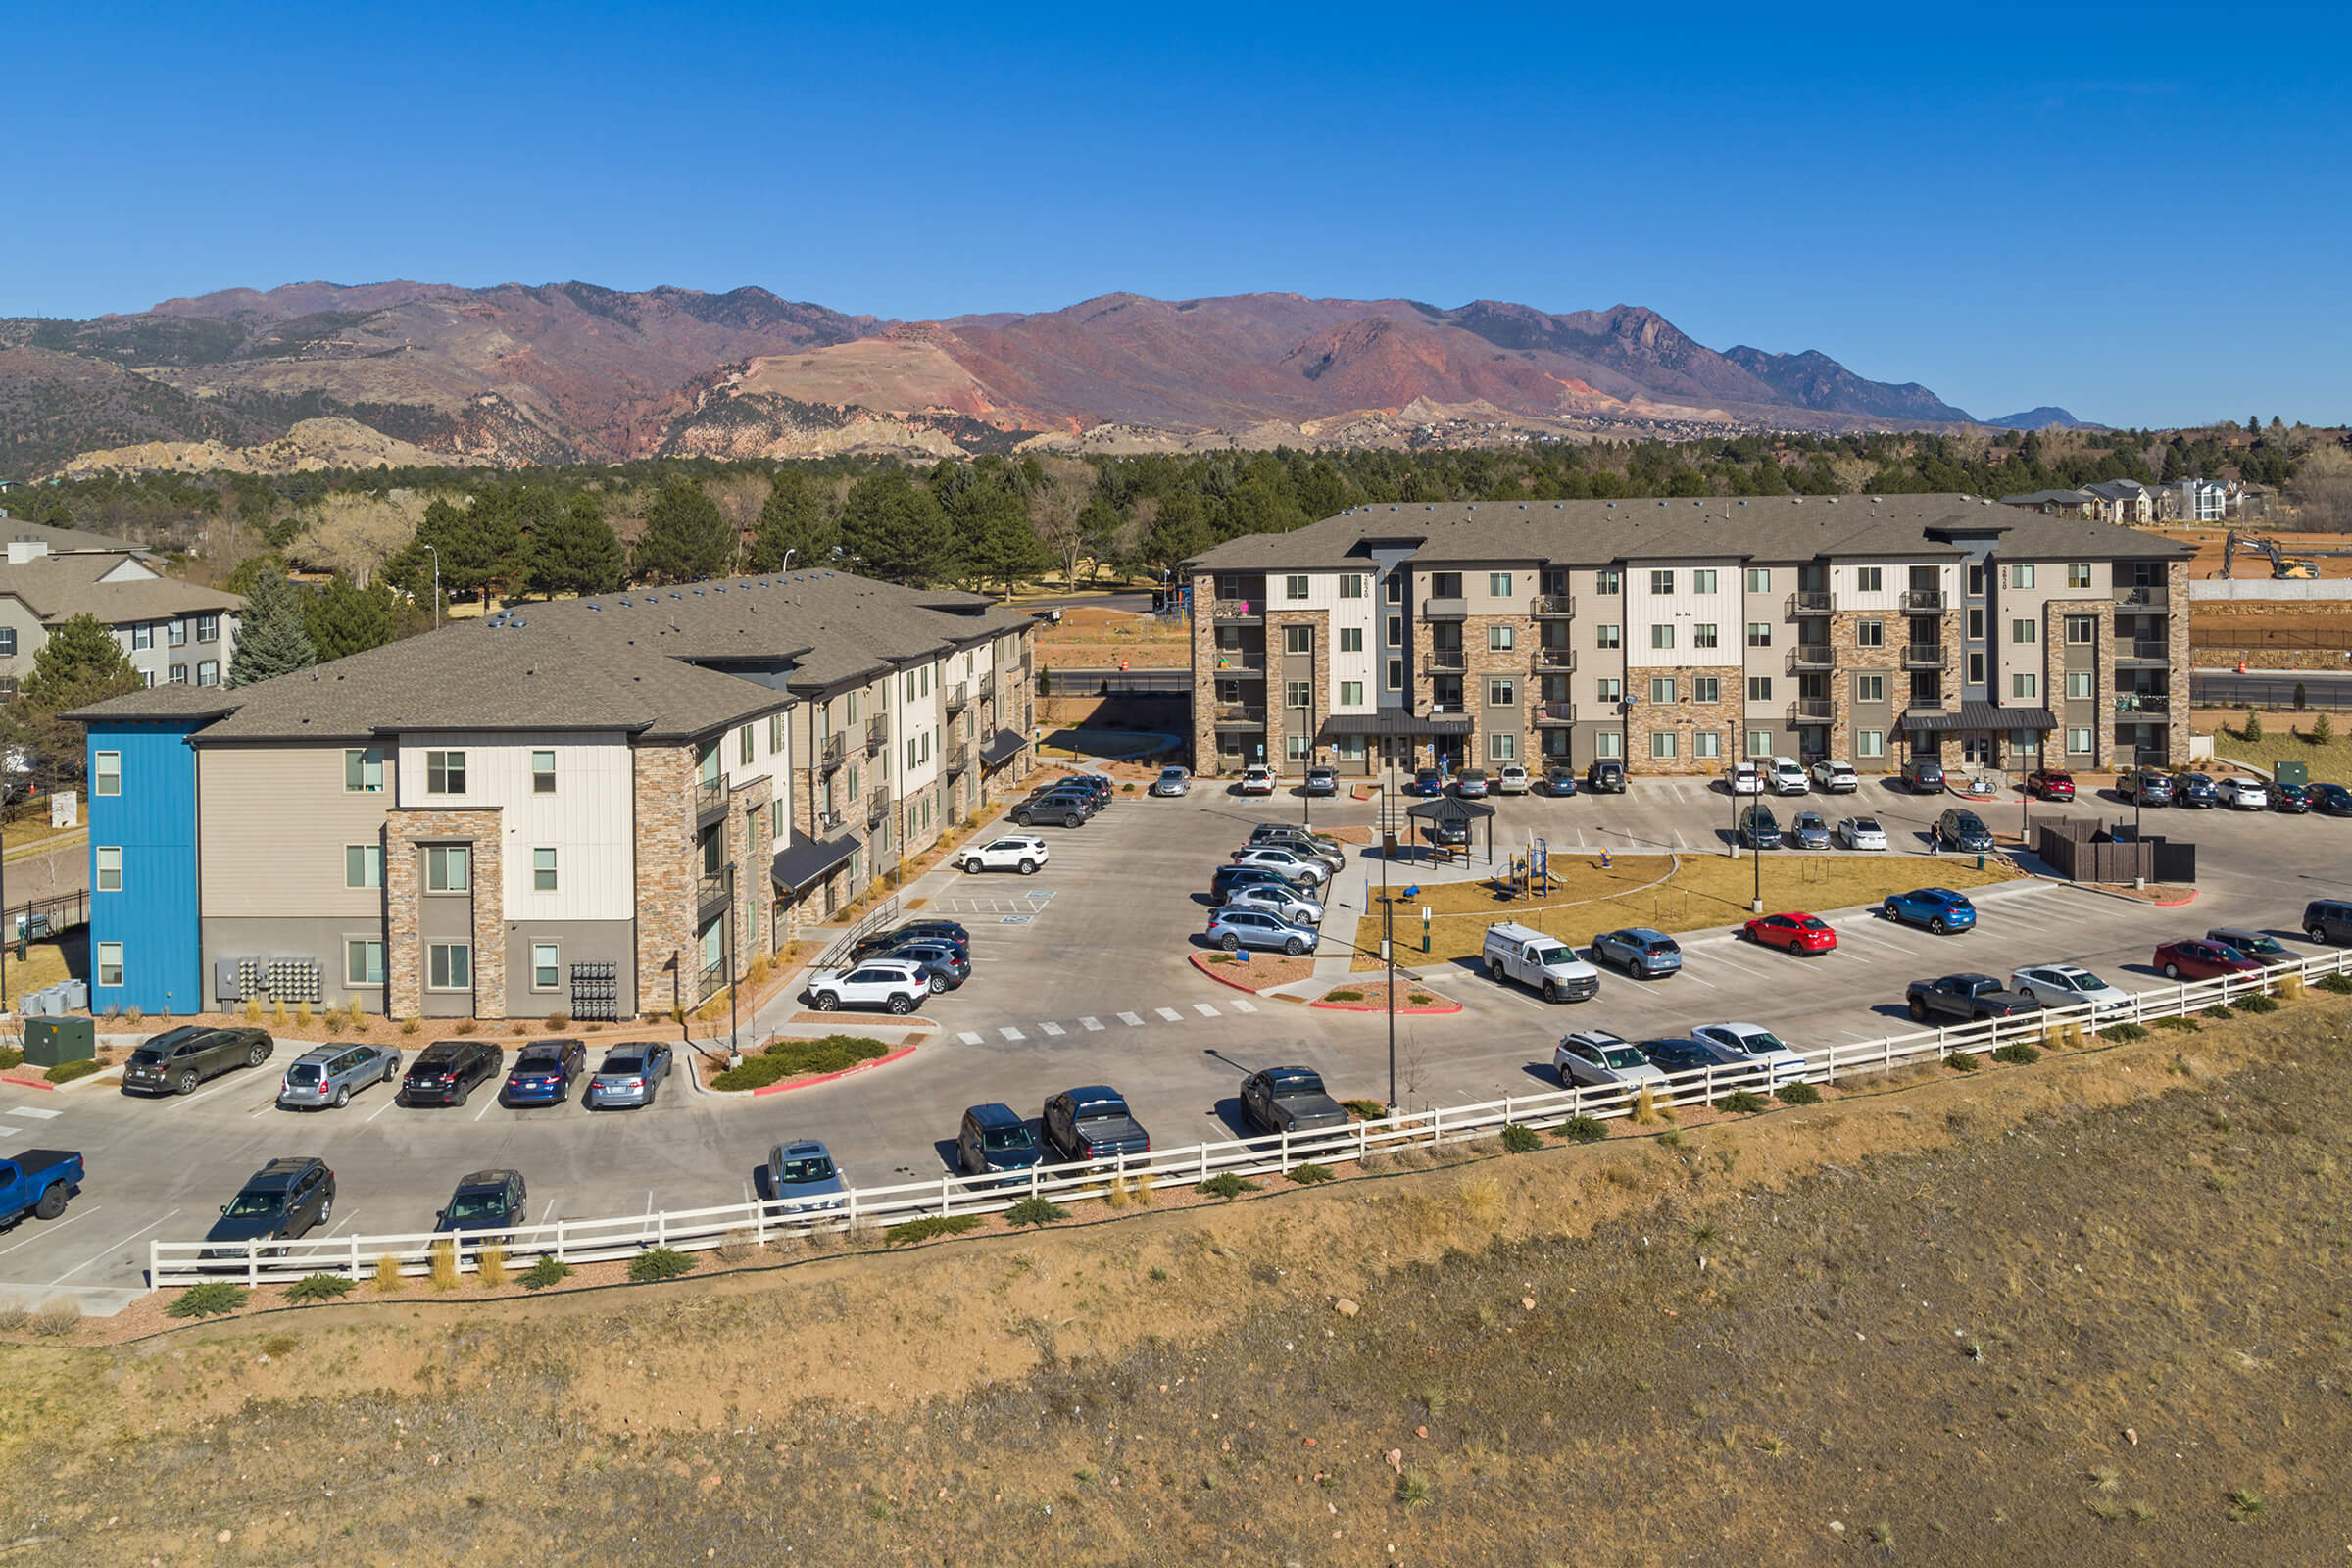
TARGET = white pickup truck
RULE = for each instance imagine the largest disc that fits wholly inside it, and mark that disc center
(1546, 963)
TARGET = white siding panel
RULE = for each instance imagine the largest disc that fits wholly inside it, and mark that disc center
(588, 821)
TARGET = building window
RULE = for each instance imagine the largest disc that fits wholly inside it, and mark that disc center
(1976, 624)
(448, 869)
(1759, 743)
(1661, 636)
(1298, 639)
(2077, 741)
(8, 641)
(1706, 744)
(2079, 683)
(2025, 686)
(1661, 582)
(1870, 688)
(1502, 748)
(1663, 744)
(543, 869)
(1976, 670)
(1976, 580)
(1294, 587)
(1609, 742)
(1703, 580)
(1503, 693)
(177, 675)
(208, 628)
(1870, 743)
(1499, 585)
(364, 773)
(1352, 585)
(1391, 589)
(445, 772)
(1395, 630)
(1296, 693)
(1759, 634)
(775, 819)
(2021, 576)
(745, 747)
(775, 722)
(1294, 748)
(1608, 582)
(926, 692)
(1609, 689)
(1759, 688)
(110, 868)
(1704, 634)
(546, 968)
(176, 634)
(106, 772)
(1395, 674)
(363, 964)
(1351, 693)
(2081, 630)
(1351, 639)
(1870, 634)
(208, 672)
(1661, 689)
(450, 967)
(2078, 575)
(543, 772)
(1706, 689)
(363, 865)
(110, 963)
(2022, 631)
(1869, 579)
(1608, 636)
(1501, 639)
(1759, 579)
(1350, 748)
(142, 636)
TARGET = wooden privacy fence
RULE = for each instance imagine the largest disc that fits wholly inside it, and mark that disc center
(593, 1240)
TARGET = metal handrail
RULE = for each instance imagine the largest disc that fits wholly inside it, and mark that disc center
(1927, 655)
(1811, 655)
(877, 733)
(1449, 659)
(2144, 647)
(1558, 710)
(1552, 605)
(1809, 602)
(831, 750)
(1552, 656)
(877, 806)
(954, 699)
(1811, 709)
(710, 795)
(1923, 598)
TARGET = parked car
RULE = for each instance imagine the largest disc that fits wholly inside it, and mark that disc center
(1307, 870)
(2068, 985)
(1093, 1124)
(1640, 951)
(1836, 777)
(2244, 794)
(1067, 793)
(1795, 932)
(891, 984)
(2145, 786)
(446, 1071)
(1066, 808)
(1173, 781)
(2327, 920)
(1229, 878)
(1291, 836)
(1446, 835)
(803, 1179)
(946, 968)
(1923, 775)
(1290, 1100)
(2293, 800)
(1778, 1063)
(1321, 781)
(1605, 778)
(1861, 833)
(994, 1138)
(2329, 799)
(1017, 851)
(1596, 1058)
(1560, 782)
(1759, 829)
(1675, 1056)
(2260, 945)
(332, 1075)
(1279, 899)
(1809, 831)
(284, 1199)
(1233, 928)
(1939, 910)
(486, 1208)
(1962, 829)
(631, 1074)
(2196, 789)
(544, 1071)
(1966, 997)
(176, 1060)
(1471, 784)
(2202, 961)
(1547, 964)
(874, 944)
(1097, 785)
(2050, 784)
(1256, 779)
(39, 1182)
(1747, 778)
(1510, 779)
(1787, 778)
(1427, 781)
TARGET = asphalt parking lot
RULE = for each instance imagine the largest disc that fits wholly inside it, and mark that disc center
(1081, 976)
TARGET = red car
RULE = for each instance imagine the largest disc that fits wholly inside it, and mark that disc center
(2051, 784)
(1794, 931)
(2202, 961)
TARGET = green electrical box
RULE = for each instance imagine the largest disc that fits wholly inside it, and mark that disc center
(2295, 773)
(54, 1042)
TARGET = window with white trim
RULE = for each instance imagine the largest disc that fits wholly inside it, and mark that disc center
(2080, 683)
(445, 772)
(1351, 693)
(1352, 585)
(110, 963)
(1870, 743)
(364, 773)
(1869, 579)
(1663, 744)
(1703, 580)
(1759, 579)
(543, 868)
(1705, 634)
(1502, 692)
(2077, 741)
(1870, 688)
(1499, 585)
(363, 865)
(1351, 639)
(1759, 634)
(1706, 688)
(2021, 630)
(2025, 686)
(543, 772)
(448, 869)
(1609, 742)
(1706, 744)
(108, 863)
(1501, 639)
(1608, 636)
(1295, 587)
(546, 968)
(2077, 574)
(1759, 688)
(106, 772)
(1661, 635)
(362, 962)
(449, 966)
(1759, 743)
(1502, 748)
(1661, 689)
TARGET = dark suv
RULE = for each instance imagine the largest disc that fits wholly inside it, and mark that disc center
(1067, 807)
(1959, 830)
(485, 1205)
(1759, 829)
(1924, 775)
(1605, 778)
(2327, 920)
(283, 1200)
(446, 1071)
(950, 932)
(176, 1060)
(996, 1138)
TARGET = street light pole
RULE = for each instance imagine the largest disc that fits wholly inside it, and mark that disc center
(436, 587)
(734, 1045)
(1388, 924)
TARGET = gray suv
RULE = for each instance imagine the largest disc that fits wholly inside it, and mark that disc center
(332, 1075)
(2327, 920)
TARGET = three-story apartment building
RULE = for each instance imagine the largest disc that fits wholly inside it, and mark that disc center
(1679, 635)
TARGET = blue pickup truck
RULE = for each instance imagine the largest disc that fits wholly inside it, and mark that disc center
(39, 1182)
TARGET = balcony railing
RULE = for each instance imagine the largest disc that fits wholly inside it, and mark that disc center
(877, 733)
(1810, 655)
(1551, 605)
(1239, 661)
(2144, 650)
(830, 750)
(710, 796)
(1240, 713)
(1923, 655)
(1809, 602)
(2143, 703)
(1557, 710)
(1453, 608)
(2151, 598)
(1810, 710)
(957, 758)
(709, 890)
(1923, 598)
(988, 685)
(877, 806)
(1240, 609)
(1448, 658)
(954, 699)
(830, 822)
(1551, 657)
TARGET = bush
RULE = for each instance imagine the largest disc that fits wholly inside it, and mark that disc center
(1420, 999)
(2125, 1032)
(1963, 1061)
(57, 1319)
(1646, 1106)
(1343, 994)
(1226, 1184)
(332, 1020)
(1581, 1130)
(658, 1264)
(1745, 1101)
(212, 1299)
(1364, 1109)
(1309, 1175)
(10, 1056)
(549, 1270)
(2220, 1011)
(278, 1013)
(444, 1264)
(409, 1026)
(253, 1009)
(1035, 1211)
(320, 1287)
(465, 1026)
(2323, 730)
(2340, 984)
(2255, 1004)
(2017, 1052)
(929, 1226)
(302, 1012)
(490, 1268)
(738, 1244)
(388, 1277)
(65, 1072)
(1518, 1139)
(798, 1059)
(1797, 1094)
(2303, 699)
(2184, 1025)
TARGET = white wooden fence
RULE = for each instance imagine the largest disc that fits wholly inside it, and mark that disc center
(591, 1241)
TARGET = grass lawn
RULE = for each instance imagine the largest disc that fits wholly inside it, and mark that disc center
(1707, 893)
(2330, 761)
(47, 962)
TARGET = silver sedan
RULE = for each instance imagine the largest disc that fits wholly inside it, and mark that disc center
(631, 1075)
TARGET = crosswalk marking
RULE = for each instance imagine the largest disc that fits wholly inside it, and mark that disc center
(1205, 1010)
(1245, 1006)
(968, 1038)
(1053, 1029)
(1011, 1033)
(1131, 1020)
(1169, 1013)
(1093, 1025)
(38, 1112)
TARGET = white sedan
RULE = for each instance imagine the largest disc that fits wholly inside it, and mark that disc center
(1861, 833)
(1017, 853)
(1747, 779)
(2245, 794)
(2069, 985)
(1780, 1065)
(1510, 779)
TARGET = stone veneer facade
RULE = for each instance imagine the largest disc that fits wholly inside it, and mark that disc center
(668, 872)
(1721, 716)
(2177, 655)
(406, 829)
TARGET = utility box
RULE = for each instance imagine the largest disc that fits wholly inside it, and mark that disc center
(2295, 773)
(54, 1042)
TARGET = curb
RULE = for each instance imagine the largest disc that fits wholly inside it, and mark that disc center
(1365, 1007)
(1200, 961)
(822, 1078)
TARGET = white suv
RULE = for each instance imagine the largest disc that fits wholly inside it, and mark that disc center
(1017, 853)
(891, 984)
(1786, 777)
(1510, 779)
(1296, 865)
(1257, 779)
(1838, 778)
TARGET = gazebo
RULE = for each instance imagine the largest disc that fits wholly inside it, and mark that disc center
(1454, 809)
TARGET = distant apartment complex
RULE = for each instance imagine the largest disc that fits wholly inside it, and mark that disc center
(1680, 635)
(174, 632)
(605, 807)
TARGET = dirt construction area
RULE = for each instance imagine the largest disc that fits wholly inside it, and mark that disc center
(2087, 1310)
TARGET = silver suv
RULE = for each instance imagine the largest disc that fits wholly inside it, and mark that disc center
(332, 1075)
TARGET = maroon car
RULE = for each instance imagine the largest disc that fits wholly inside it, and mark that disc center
(2202, 961)
(2051, 783)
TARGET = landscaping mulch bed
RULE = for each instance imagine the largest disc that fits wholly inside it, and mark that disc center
(1260, 971)
(1372, 996)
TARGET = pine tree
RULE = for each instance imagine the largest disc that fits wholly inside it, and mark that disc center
(994, 540)
(685, 538)
(271, 637)
(81, 663)
(2253, 726)
(895, 529)
(576, 551)
(793, 524)
(342, 619)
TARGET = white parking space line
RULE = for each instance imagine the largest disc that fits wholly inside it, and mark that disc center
(1131, 1020)
(390, 1102)
(7, 1132)
(54, 1226)
(1011, 1033)
(36, 1113)
(1245, 1006)
(1053, 1029)
(1092, 1025)
(1205, 1010)
(1169, 1013)
(968, 1038)
(485, 1110)
(102, 1254)
(549, 1212)
(1687, 975)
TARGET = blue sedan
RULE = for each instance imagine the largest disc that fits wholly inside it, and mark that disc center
(630, 1075)
(544, 1072)
(1939, 910)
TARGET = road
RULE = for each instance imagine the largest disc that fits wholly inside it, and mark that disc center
(2272, 688)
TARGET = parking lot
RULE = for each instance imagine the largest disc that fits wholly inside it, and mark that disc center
(1080, 975)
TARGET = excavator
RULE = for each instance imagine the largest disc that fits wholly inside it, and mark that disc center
(2283, 566)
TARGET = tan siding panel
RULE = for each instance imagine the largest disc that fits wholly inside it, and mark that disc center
(275, 823)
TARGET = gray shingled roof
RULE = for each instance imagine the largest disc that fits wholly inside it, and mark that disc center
(2057, 498)
(58, 587)
(166, 701)
(64, 539)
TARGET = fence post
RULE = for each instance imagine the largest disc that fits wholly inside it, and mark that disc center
(758, 1223)
(354, 1257)
(662, 1228)
(1887, 1051)
(1833, 1075)
(560, 1240)
(945, 1199)
(1286, 1151)
(1203, 1147)
(253, 1266)
(1437, 1125)
(155, 1263)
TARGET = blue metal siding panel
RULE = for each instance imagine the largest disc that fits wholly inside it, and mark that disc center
(153, 915)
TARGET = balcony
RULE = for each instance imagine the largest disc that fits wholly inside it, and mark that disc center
(1240, 715)
(1810, 655)
(830, 750)
(2158, 703)
(1552, 607)
(954, 699)
(1240, 664)
(1923, 655)
(1554, 712)
(1551, 659)
(2143, 598)
(957, 758)
(709, 894)
(1809, 711)
(987, 687)
(877, 806)
(830, 822)
(2142, 651)
(1448, 658)
(1923, 598)
(1809, 602)
(877, 733)
(1237, 612)
(709, 799)
(1445, 609)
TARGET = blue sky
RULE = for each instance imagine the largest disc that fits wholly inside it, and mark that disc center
(2137, 212)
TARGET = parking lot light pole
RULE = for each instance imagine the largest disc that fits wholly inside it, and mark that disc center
(1388, 925)
(734, 1046)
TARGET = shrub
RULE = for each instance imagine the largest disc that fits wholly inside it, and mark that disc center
(278, 1012)
(1364, 1109)
(332, 1021)
(2323, 730)
(2290, 988)
(388, 1277)
(302, 1012)
(2252, 729)
(1115, 1194)
(1412, 1490)
(212, 1299)
(58, 1318)
(465, 1026)
(929, 1226)
(490, 1268)
(1035, 1211)
(1343, 994)
(253, 1009)
(1221, 958)
(1963, 1061)
(658, 1264)
(798, 1059)
(2017, 1052)
(1226, 1184)
(358, 1017)
(1646, 1106)
(409, 1026)
(2256, 1004)
(14, 1319)
(320, 1287)
(549, 1270)
(2338, 984)
(1518, 1139)
(1581, 1130)
(132, 1016)
(1745, 1101)
(65, 1072)
(10, 1056)
(2219, 1011)
(444, 1257)
(1139, 1188)
(1420, 999)
(2303, 699)
(737, 1245)
(2184, 1025)
(1797, 1094)
(2125, 1032)
(1309, 1175)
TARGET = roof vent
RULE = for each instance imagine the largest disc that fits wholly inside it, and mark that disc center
(517, 622)
(593, 605)
(625, 604)
(1522, 505)
(1874, 501)
(674, 594)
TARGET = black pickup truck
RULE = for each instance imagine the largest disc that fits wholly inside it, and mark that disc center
(1966, 999)
(1093, 1124)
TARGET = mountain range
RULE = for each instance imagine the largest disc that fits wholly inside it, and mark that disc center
(318, 374)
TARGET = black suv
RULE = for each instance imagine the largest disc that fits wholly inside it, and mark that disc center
(176, 1060)
(995, 1137)
(1605, 778)
(281, 1200)
(1068, 807)
(882, 942)
(486, 1201)
(446, 1071)
(1759, 829)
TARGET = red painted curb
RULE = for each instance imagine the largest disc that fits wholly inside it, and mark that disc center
(1202, 963)
(2175, 904)
(821, 1078)
(37, 1083)
(1365, 1007)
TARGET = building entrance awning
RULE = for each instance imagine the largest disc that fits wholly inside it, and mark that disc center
(1001, 746)
(1396, 721)
(805, 862)
(1974, 717)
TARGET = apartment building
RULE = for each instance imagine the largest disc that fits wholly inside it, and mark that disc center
(603, 806)
(174, 633)
(1679, 635)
